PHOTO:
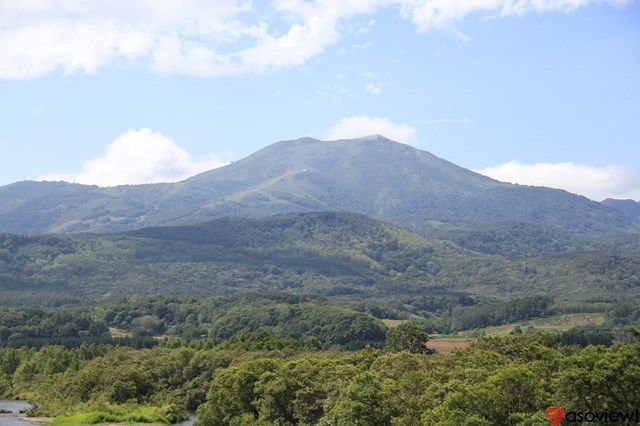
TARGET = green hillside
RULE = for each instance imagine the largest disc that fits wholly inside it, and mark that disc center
(629, 208)
(322, 253)
(521, 240)
(373, 176)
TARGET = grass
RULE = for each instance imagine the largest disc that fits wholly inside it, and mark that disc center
(392, 322)
(447, 345)
(556, 324)
(120, 414)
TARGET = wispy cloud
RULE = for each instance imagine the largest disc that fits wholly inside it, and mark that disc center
(463, 120)
(139, 156)
(594, 182)
(373, 89)
(206, 38)
(364, 125)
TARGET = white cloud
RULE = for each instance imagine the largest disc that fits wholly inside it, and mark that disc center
(363, 125)
(596, 183)
(139, 156)
(373, 89)
(428, 14)
(206, 38)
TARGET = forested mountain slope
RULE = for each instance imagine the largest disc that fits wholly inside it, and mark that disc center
(372, 175)
(325, 253)
(629, 208)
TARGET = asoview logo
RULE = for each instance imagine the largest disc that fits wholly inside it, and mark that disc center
(557, 414)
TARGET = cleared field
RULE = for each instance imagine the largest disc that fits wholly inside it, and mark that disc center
(445, 346)
(392, 322)
(556, 323)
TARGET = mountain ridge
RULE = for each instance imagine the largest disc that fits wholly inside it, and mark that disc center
(629, 208)
(370, 175)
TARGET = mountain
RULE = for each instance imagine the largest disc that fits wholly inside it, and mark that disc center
(371, 175)
(629, 208)
(325, 253)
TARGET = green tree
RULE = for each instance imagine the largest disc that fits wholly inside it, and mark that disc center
(361, 402)
(232, 392)
(598, 379)
(408, 336)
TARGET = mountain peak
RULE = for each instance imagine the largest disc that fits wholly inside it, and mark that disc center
(309, 140)
(367, 138)
(371, 175)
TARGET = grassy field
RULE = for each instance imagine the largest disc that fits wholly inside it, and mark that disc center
(447, 345)
(119, 415)
(392, 322)
(556, 323)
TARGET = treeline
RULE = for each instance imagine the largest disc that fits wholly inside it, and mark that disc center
(588, 335)
(450, 312)
(499, 313)
(340, 323)
(67, 327)
(262, 379)
(138, 321)
(625, 312)
(280, 314)
(76, 342)
(36, 327)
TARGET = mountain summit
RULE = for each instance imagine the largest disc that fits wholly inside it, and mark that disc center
(370, 175)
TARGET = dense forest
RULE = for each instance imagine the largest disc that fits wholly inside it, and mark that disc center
(265, 380)
(325, 323)
(315, 253)
(281, 358)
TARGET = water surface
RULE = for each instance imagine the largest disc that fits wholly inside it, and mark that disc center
(14, 418)
(14, 405)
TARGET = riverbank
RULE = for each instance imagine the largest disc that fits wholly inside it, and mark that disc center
(12, 414)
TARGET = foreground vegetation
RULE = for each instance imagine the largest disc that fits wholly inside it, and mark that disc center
(261, 379)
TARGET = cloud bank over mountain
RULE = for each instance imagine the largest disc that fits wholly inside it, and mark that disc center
(363, 125)
(593, 182)
(136, 157)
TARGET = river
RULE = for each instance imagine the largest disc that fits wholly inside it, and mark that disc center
(14, 418)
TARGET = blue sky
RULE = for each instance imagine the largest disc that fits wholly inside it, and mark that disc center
(533, 92)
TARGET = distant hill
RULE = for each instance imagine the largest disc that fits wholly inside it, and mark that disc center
(372, 175)
(520, 240)
(326, 253)
(629, 208)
